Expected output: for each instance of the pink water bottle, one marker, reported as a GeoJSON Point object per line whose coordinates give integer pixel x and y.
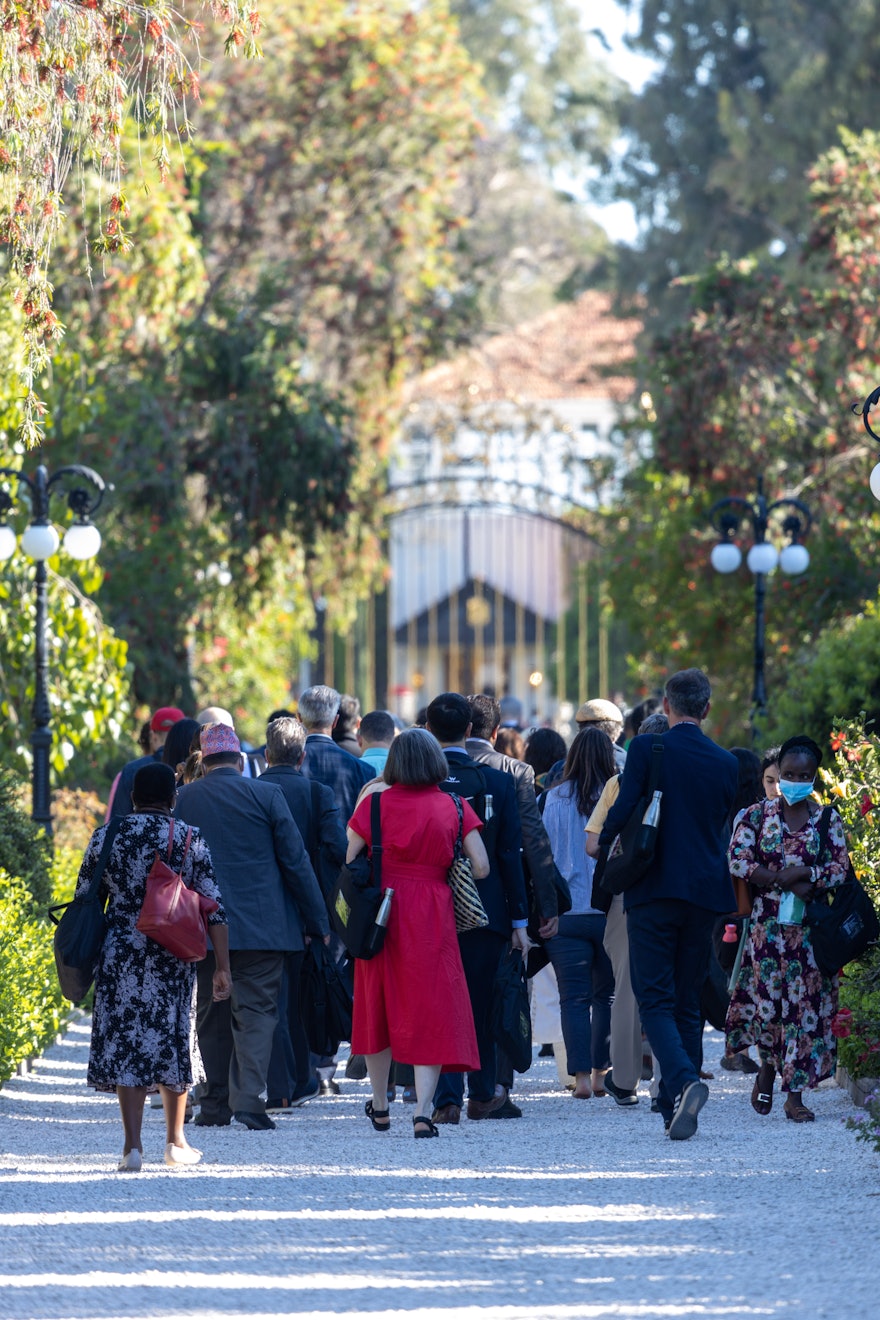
{"type": "Point", "coordinates": [730, 935]}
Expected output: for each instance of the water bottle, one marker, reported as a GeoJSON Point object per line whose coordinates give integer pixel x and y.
{"type": "Point", "coordinates": [791, 908]}
{"type": "Point", "coordinates": [650, 821]}
{"type": "Point", "coordinates": [377, 934]}
{"type": "Point", "coordinates": [489, 809]}
{"type": "Point", "coordinates": [730, 935]}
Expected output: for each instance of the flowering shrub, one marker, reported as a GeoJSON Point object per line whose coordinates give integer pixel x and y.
{"type": "Point", "coordinates": [853, 784]}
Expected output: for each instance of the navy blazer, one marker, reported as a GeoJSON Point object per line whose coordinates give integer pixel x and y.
{"type": "Point", "coordinates": [503, 890]}
{"type": "Point", "coordinates": [343, 773]}
{"type": "Point", "coordinates": [316, 816]}
{"type": "Point", "coordinates": [269, 889]}
{"type": "Point", "coordinates": [698, 781]}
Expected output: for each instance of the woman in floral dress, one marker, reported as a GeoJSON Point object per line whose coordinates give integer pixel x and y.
{"type": "Point", "coordinates": [782, 1003]}
{"type": "Point", "coordinates": [142, 1023]}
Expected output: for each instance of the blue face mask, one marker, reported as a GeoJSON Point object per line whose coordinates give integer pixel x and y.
{"type": "Point", "coordinates": [793, 792]}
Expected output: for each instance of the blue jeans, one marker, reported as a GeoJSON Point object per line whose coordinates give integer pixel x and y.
{"type": "Point", "coordinates": [586, 988]}
{"type": "Point", "coordinates": [669, 945]}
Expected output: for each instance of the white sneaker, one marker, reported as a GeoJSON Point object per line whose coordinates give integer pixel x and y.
{"type": "Point", "coordinates": [177, 1155]}
{"type": "Point", "coordinates": [130, 1163]}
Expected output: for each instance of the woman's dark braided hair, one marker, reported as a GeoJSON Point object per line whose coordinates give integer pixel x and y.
{"type": "Point", "coordinates": [801, 743]}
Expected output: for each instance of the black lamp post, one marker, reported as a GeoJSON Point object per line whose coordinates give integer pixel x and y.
{"type": "Point", "coordinates": [864, 409]}
{"type": "Point", "coordinates": [727, 516]}
{"type": "Point", "coordinates": [40, 541]}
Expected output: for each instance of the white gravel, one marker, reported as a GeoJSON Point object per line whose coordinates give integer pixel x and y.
{"type": "Point", "coordinates": [579, 1209]}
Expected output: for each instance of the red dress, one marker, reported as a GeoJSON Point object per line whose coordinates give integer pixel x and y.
{"type": "Point", "coordinates": [412, 997]}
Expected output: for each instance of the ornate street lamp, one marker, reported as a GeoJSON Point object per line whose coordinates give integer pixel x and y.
{"type": "Point", "coordinates": [727, 516]}
{"type": "Point", "coordinates": [864, 409]}
{"type": "Point", "coordinates": [40, 541]}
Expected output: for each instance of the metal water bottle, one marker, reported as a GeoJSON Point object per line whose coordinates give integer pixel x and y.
{"type": "Point", "coordinates": [490, 811]}
{"type": "Point", "coordinates": [377, 934]}
{"type": "Point", "coordinates": [650, 821]}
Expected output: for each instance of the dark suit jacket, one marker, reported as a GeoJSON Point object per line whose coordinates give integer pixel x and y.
{"type": "Point", "coordinates": [122, 803]}
{"type": "Point", "coordinates": [343, 773]}
{"type": "Point", "coordinates": [698, 781]}
{"type": "Point", "coordinates": [316, 816]}
{"type": "Point", "coordinates": [541, 871]}
{"type": "Point", "coordinates": [503, 890]}
{"type": "Point", "coordinates": [269, 888]}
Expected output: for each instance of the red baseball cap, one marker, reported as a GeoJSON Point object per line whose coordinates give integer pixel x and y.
{"type": "Point", "coordinates": [164, 717]}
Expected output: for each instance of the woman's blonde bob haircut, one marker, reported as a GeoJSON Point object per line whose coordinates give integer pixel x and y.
{"type": "Point", "coordinates": [415, 759]}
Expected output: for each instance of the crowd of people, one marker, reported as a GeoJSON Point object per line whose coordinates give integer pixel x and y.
{"type": "Point", "coordinates": [263, 834]}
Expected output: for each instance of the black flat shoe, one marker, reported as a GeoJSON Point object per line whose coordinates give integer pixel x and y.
{"type": "Point", "coordinates": [374, 1114]}
{"type": "Point", "coordinates": [433, 1130]}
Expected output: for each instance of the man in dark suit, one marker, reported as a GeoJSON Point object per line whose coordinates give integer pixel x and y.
{"type": "Point", "coordinates": [271, 898]}
{"type": "Point", "coordinates": [316, 816]}
{"type": "Point", "coordinates": [161, 721]}
{"type": "Point", "coordinates": [503, 892]}
{"type": "Point", "coordinates": [672, 910]}
{"type": "Point", "coordinates": [542, 875]}
{"type": "Point", "coordinates": [318, 709]}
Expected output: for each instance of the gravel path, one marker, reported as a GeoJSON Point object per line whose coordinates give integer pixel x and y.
{"type": "Point", "coordinates": [579, 1209]}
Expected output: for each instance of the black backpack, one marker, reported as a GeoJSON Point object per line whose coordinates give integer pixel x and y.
{"type": "Point", "coordinates": [466, 778]}
{"type": "Point", "coordinates": [842, 923]}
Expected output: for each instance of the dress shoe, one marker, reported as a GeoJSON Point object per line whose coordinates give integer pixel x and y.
{"type": "Point", "coordinates": [447, 1114]}
{"type": "Point", "coordinates": [307, 1092]}
{"type": "Point", "coordinates": [177, 1156]}
{"type": "Point", "coordinates": [255, 1122]}
{"type": "Point", "coordinates": [483, 1108]}
{"type": "Point", "coordinates": [545, 1052]}
{"type": "Point", "coordinates": [743, 1063]}
{"type": "Point", "coordinates": [211, 1120]}
{"type": "Point", "coordinates": [130, 1163]}
{"type": "Point", "coordinates": [507, 1110]}
{"type": "Point", "coordinates": [329, 1087]}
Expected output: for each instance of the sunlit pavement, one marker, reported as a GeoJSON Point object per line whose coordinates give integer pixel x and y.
{"type": "Point", "coordinates": [579, 1209]}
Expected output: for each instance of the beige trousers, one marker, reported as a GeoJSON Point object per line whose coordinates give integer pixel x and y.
{"type": "Point", "coordinates": [626, 1030]}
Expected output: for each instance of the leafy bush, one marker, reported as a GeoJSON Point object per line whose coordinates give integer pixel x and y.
{"type": "Point", "coordinates": [31, 1007]}
{"type": "Point", "coordinates": [25, 851]}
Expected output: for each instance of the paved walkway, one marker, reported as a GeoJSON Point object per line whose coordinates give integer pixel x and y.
{"type": "Point", "coordinates": [580, 1209]}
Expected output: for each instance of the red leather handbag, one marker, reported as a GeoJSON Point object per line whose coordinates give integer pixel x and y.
{"type": "Point", "coordinates": [172, 915]}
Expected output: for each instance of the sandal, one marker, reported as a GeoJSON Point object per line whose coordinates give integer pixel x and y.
{"type": "Point", "coordinates": [374, 1114]}
{"type": "Point", "coordinates": [799, 1113]}
{"type": "Point", "coordinates": [433, 1130]}
{"type": "Point", "coordinates": [762, 1101]}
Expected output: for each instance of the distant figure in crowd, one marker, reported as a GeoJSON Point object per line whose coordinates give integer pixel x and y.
{"type": "Point", "coordinates": [604, 715]}
{"type": "Point", "coordinates": [672, 910]}
{"type": "Point", "coordinates": [142, 1028]}
{"type": "Point", "coordinates": [347, 724]}
{"type": "Point", "coordinates": [782, 1002]}
{"type": "Point", "coordinates": [343, 773]}
{"type": "Point", "coordinates": [375, 736]}
{"type": "Point", "coordinates": [770, 772]}
{"type": "Point", "coordinates": [272, 900]}
{"type": "Point", "coordinates": [583, 968]}
{"type": "Point", "coordinates": [510, 742]}
{"type": "Point", "coordinates": [161, 722]}
{"type": "Point", "coordinates": [411, 1001]}
{"type": "Point", "coordinates": [545, 753]}
{"type": "Point", "coordinates": [182, 740]}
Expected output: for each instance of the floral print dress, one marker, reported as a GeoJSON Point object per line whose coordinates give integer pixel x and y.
{"type": "Point", "coordinates": [781, 1002]}
{"type": "Point", "coordinates": [143, 1018]}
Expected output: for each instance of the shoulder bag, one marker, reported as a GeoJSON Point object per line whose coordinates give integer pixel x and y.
{"type": "Point", "coordinates": [511, 1021]}
{"type": "Point", "coordinates": [81, 927]}
{"type": "Point", "coordinates": [357, 895]}
{"type": "Point", "coordinates": [842, 922]}
{"type": "Point", "coordinates": [623, 863]}
{"type": "Point", "coordinates": [467, 904]}
{"type": "Point", "coordinates": [173, 915]}
{"type": "Point", "coordinates": [325, 998]}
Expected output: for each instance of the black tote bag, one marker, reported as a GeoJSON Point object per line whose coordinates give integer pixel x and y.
{"type": "Point", "coordinates": [80, 928]}
{"type": "Point", "coordinates": [357, 896]}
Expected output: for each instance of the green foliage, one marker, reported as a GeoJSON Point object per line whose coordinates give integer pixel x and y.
{"type": "Point", "coordinates": [745, 97]}
{"type": "Point", "coordinates": [31, 1007]}
{"type": "Point", "coordinates": [25, 851]}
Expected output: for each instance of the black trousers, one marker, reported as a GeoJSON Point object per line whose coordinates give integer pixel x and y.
{"type": "Point", "coordinates": [289, 1066]}
{"type": "Point", "coordinates": [481, 952]}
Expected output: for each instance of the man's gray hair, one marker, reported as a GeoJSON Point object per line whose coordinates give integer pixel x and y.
{"type": "Point", "coordinates": [285, 741]}
{"type": "Point", "coordinates": [656, 723]}
{"type": "Point", "coordinates": [318, 706]}
{"type": "Point", "coordinates": [688, 693]}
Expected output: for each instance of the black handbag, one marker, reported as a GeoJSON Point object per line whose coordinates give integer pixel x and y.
{"type": "Point", "coordinates": [637, 840]}
{"type": "Point", "coordinates": [357, 895]}
{"type": "Point", "coordinates": [511, 1020]}
{"type": "Point", "coordinates": [843, 923]}
{"type": "Point", "coordinates": [80, 928]}
{"type": "Point", "coordinates": [325, 996]}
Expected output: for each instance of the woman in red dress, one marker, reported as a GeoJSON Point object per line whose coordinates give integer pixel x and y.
{"type": "Point", "coordinates": [411, 1001]}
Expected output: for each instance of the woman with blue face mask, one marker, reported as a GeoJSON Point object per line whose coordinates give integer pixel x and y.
{"type": "Point", "coordinates": [781, 1002]}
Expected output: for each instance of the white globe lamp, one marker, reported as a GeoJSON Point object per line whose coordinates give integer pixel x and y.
{"type": "Point", "coordinates": [794, 559]}
{"type": "Point", "coordinates": [7, 542]}
{"type": "Point", "coordinates": [82, 541]}
{"type": "Point", "coordinates": [762, 558]}
{"type": "Point", "coordinates": [40, 541]}
{"type": "Point", "coordinates": [725, 557]}
{"type": "Point", "coordinates": [875, 482]}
